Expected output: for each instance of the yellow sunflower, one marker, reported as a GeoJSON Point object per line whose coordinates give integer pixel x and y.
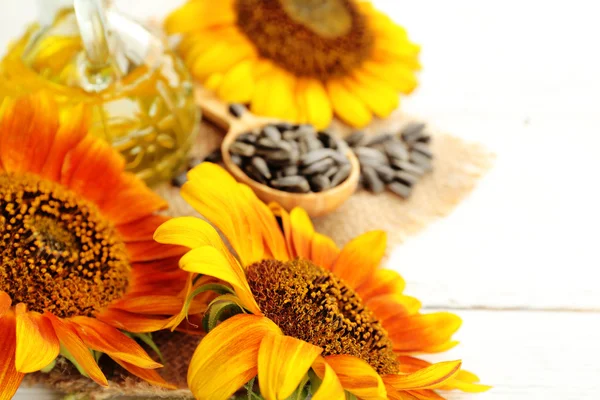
{"type": "Point", "coordinates": [298, 60]}
{"type": "Point", "coordinates": [297, 304]}
{"type": "Point", "coordinates": [79, 264]}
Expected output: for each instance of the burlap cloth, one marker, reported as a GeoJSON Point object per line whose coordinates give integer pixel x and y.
{"type": "Point", "coordinates": [457, 167]}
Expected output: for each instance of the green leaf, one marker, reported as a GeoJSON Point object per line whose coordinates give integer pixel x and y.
{"type": "Point", "coordinates": [218, 308]}
{"type": "Point", "coordinates": [215, 287]}
{"type": "Point", "coordinates": [302, 391]}
{"type": "Point", "coordinates": [147, 338]}
{"type": "Point", "coordinates": [49, 367]}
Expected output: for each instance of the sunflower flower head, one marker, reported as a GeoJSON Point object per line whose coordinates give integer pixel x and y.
{"type": "Point", "coordinates": [295, 312]}
{"type": "Point", "coordinates": [299, 60]}
{"type": "Point", "coordinates": [79, 266]}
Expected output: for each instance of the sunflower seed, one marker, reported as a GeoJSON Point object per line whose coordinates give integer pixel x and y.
{"type": "Point", "coordinates": [385, 173]}
{"type": "Point", "coordinates": [248, 137]}
{"type": "Point", "coordinates": [237, 110]}
{"type": "Point", "coordinates": [331, 171]}
{"type": "Point", "coordinates": [261, 166]}
{"type": "Point", "coordinates": [292, 183]}
{"type": "Point", "coordinates": [179, 180]}
{"type": "Point", "coordinates": [267, 143]}
{"type": "Point", "coordinates": [406, 178]}
{"type": "Point", "coordinates": [370, 153]}
{"type": "Point", "coordinates": [420, 160]}
{"type": "Point", "coordinates": [396, 149]}
{"type": "Point", "coordinates": [318, 167]}
{"type": "Point", "coordinates": [355, 138]}
{"type": "Point", "coordinates": [253, 173]}
{"type": "Point", "coordinates": [372, 181]}
{"type": "Point", "coordinates": [306, 130]}
{"type": "Point", "coordinates": [378, 139]}
{"type": "Point", "coordinates": [408, 167]}
{"type": "Point", "coordinates": [272, 133]}
{"type": "Point", "coordinates": [400, 189]}
{"type": "Point", "coordinates": [312, 143]}
{"type": "Point", "coordinates": [341, 175]}
{"type": "Point", "coordinates": [242, 149]}
{"type": "Point", "coordinates": [290, 170]}
{"type": "Point", "coordinates": [278, 157]}
{"type": "Point", "coordinates": [284, 126]}
{"type": "Point", "coordinates": [214, 156]}
{"type": "Point", "coordinates": [412, 131]}
{"type": "Point", "coordinates": [287, 146]}
{"type": "Point", "coordinates": [422, 148]}
{"type": "Point", "coordinates": [292, 135]}
{"type": "Point", "coordinates": [318, 183]}
{"type": "Point", "coordinates": [316, 155]}
{"type": "Point", "coordinates": [237, 160]}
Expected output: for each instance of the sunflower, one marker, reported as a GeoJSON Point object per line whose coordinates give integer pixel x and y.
{"type": "Point", "coordinates": [298, 60]}
{"type": "Point", "coordinates": [80, 275]}
{"type": "Point", "coordinates": [297, 306]}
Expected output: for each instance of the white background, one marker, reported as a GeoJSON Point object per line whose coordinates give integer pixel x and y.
{"type": "Point", "coordinates": [518, 260]}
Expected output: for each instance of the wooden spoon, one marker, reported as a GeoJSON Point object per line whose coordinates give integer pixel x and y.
{"type": "Point", "coordinates": [315, 204]}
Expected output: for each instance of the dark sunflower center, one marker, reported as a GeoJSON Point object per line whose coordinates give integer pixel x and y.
{"type": "Point", "coordinates": [58, 253]}
{"type": "Point", "coordinates": [315, 38]}
{"type": "Point", "coordinates": [311, 304]}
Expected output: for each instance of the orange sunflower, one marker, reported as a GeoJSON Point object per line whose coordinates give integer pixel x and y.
{"type": "Point", "coordinates": [79, 265]}
{"type": "Point", "coordinates": [297, 308]}
{"type": "Point", "coordinates": [298, 60]}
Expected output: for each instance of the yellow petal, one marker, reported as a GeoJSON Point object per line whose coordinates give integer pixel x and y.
{"type": "Point", "coordinates": [262, 89]}
{"type": "Point", "coordinates": [280, 102]}
{"type": "Point", "coordinates": [398, 75]}
{"type": "Point", "coordinates": [302, 232]}
{"type": "Point", "coordinates": [314, 101]}
{"type": "Point", "coordinates": [348, 105]}
{"type": "Point", "coordinates": [213, 81]}
{"type": "Point", "coordinates": [207, 260]}
{"type": "Point", "coordinates": [360, 258]}
{"type": "Point", "coordinates": [357, 377]}
{"type": "Point", "coordinates": [330, 388]}
{"type": "Point", "coordinates": [391, 306]}
{"type": "Point", "coordinates": [10, 378]}
{"type": "Point", "coordinates": [422, 332]}
{"type": "Point", "coordinates": [282, 363]}
{"type": "Point", "coordinates": [237, 85]}
{"type": "Point", "coordinates": [427, 378]}
{"type": "Point", "coordinates": [324, 251]}
{"type": "Point", "coordinates": [195, 15]}
{"type": "Point", "coordinates": [382, 281]}
{"type": "Point", "coordinates": [189, 232]}
{"type": "Point", "coordinates": [220, 57]}
{"type": "Point", "coordinates": [227, 357]}
{"type": "Point", "coordinates": [380, 99]}
{"type": "Point", "coordinates": [37, 344]}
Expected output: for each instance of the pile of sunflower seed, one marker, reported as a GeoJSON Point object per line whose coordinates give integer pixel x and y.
{"type": "Point", "coordinates": [292, 158]}
{"type": "Point", "coordinates": [393, 161]}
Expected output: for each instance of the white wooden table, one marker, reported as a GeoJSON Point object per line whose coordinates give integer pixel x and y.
{"type": "Point", "coordinates": [518, 260]}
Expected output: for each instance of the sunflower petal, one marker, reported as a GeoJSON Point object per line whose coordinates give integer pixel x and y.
{"type": "Point", "coordinates": [131, 322]}
{"type": "Point", "coordinates": [190, 232]}
{"type": "Point", "coordinates": [348, 105]}
{"type": "Point", "coordinates": [106, 339]}
{"type": "Point", "coordinates": [10, 378]}
{"type": "Point", "coordinates": [302, 232]}
{"type": "Point", "coordinates": [282, 363]}
{"type": "Point", "coordinates": [227, 357]}
{"type": "Point", "coordinates": [393, 306]}
{"type": "Point", "coordinates": [357, 377]}
{"type": "Point", "coordinates": [281, 102]}
{"type": "Point", "coordinates": [207, 260]}
{"type": "Point", "coordinates": [360, 258]}
{"type": "Point", "coordinates": [142, 229]}
{"type": "Point", "coordinates": [330, 388]}
{"type": "Point", "coordinates": [313, 99]}
{"type": "Point", "coordinates": [195, 15]}
{"type": "Point", "coordinates": [37, 344]}
{"type": "Point", "coordinates": [280, 213]}
{"type": "Point", "coordinates": [151, 250]}
{"type": "Point", "coordinates": [149, 375]}
{"type": "Point", "coordinates": [381, 282]}
{"type": "Point", "coordinates": [149, 304]}
{"type": "Point", "coordinates": [80, 352]}
{"type": "Point", "coordinates": [219, 57]}
{"type": "Point", "coordinates": [380, 98]}
{"type": "Point", "coordinates": [238, 83]}
{"type": "Point", "coordinates": [5, 302]}
{"type": "Point", "coordinates": [323, 251]}
{"type": "Point", "coordinates": [431, 377]}
{"type": "Point", "coordinates": [422, 332]}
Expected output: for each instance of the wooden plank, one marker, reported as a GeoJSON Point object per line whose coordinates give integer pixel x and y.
{"type": "Point", "coordinates": [524, 355]}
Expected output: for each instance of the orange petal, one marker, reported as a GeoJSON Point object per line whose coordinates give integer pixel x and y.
{"type": "Point", "coordinates": [282, 363]}
{"type": "Point", "coordinates": [10, 378]}
{"type": "Point", "coordinates": [37, 344]}
{"type": "Point", "coordinates": [80, 352]}
{"type": "Point", "coordinates": [157, 305]}
{"type": "Point", "coordinates": [323, 251]}
{"type": "Point", "coordinates": [302, 232]}
{"type": "Point", "coordinates": [393, 306]}
{"type": "Point", "coordinates": [383, 281]}
{"type": "Point", "coordinates": [284, 217]}
{"type": "Point", "coordinates": [142, 229]}
{"type": "Point", "coordinates": [131, 322]}
{"type": "Point", "coordinates": [151, 250]}
{"type": "Point", "coordinates": [330, 388]}
{"type": "Point", "coordinates": [5, 302]}
{"type": "Point", "coordinates": [357, 377]}
{"type": "Point", "coordinates": [427, 378]}
{"type": "Point", "coordinates": [106, 339]}
{"type": "Point", "coordinates": [360, 258]}
{"type": "Point", "coordinates": [394, 394]}
{"type": "Point", "coordinates": [149, 375]}
{"type": "Point", "coordinates": [227, 357]}
{"type": "Point", "coordinates": [419, 332]}
{"type": "Point", "coordinates": [27, 130]}
{"type": "Point", "coordinates": [93, 169]}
